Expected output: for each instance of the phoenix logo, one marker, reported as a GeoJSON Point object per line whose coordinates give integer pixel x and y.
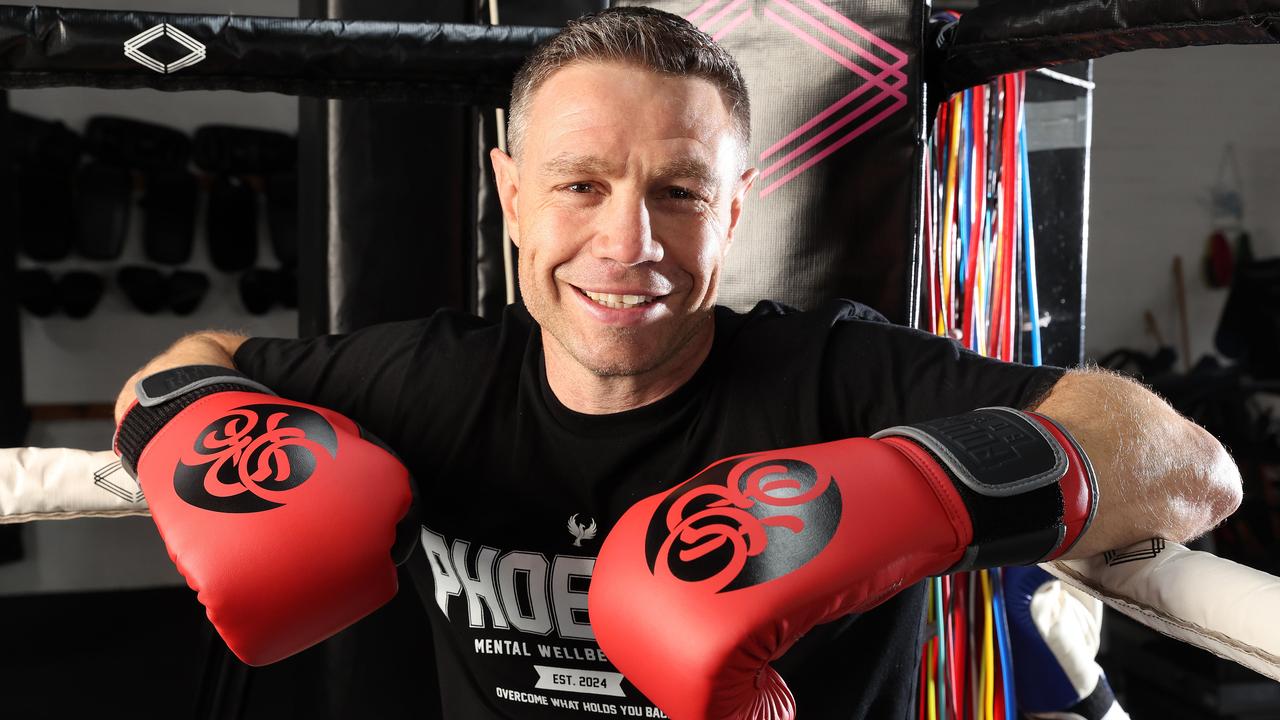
{"type": "Point", "coordinates": [250, 459]}
{"type": "Point", "coordinates": [743, 522]}
{"type": "Point", "coordinates": [581, 532]}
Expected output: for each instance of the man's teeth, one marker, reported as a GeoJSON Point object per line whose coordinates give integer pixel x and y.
{"type": "Point", "coordinates": [618, 302]}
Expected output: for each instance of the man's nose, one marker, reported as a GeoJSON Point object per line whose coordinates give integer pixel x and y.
{"type": "Point", "coordinates": [626, 235]}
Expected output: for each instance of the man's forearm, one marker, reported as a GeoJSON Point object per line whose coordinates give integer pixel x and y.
{"type": "Point", "coordinates": [1159, 474]}
{"type": "Point", "coordinates": [204, 348]}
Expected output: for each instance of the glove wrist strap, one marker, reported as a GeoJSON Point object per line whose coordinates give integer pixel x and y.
{"type": "Point", "coordinates": [161, 396]}
{"type": "Point", "coordinates": [1010, 468]}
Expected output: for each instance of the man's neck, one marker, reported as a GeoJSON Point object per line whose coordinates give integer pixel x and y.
{"type": "Point", "coordinates": [583, 391]}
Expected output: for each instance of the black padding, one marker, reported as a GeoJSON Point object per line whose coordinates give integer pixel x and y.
{"type": "Point", "coordinates": [282, 217]}
{"type": "Point", "coordinates": [103, 197]}
{"type": "Point", "coordinates": [137, 144]}
{"type": "Point", "coordinates": [169, 216]}
{"type": "Point", "coordinates": [996, 38]}
{"type": "Point", "coordinates": [457, 64]}
{"type": "Point", "coordinates": [45, 154]}
{"type": "Point", "coordinates": [146, 288]}
{"type": "Point", "coordinates": [46, 224]}
{"type": "Point", "coordinates": [187, 290]}
{"type": "Point", "coordinates": [228, 150]}
{"type": "Point", "coordinates": [232, 224]}
{"type": "Point", "coordinates": [44, 143]}
{"type": "Point", "coordinates": [79, 292]}
{"type": "Point", "coordinates": [37, 292]}
{"type": "Point", "coordinates": [258, 290]}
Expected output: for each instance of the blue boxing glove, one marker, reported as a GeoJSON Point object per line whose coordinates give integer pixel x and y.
{"type": "Point", "coordinates": [1054, 634]}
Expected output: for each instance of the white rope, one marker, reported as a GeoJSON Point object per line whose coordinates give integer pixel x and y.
{"type": "Point", "coordinates": [61, 484]}
{"type": "Point", "coordinates": [1192, 596]}
{"type": "Point", "coordinates": [1063, 77]}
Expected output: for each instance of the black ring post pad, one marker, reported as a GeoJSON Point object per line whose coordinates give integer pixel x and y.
{"type": "Point", "coordinates": [1006, 468]}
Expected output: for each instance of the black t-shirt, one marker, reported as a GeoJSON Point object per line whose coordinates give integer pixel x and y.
{"type": "Point", "coordinates": [517, 491]}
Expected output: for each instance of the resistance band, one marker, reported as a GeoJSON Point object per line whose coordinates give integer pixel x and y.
{"type": "Point", "coordinates": [979, 279]}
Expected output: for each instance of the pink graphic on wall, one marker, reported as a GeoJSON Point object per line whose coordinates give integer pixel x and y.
{"type": "Point", "coordinates": [880, 69]}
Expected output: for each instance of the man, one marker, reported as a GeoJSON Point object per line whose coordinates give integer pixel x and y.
{"type": "Point", "coordinates": [620, 378]}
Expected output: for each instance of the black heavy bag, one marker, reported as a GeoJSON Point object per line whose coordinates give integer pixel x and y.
{"type": "Point", "coordinates": [104, 194]}
{"type": "Point", "coordinates": [836, 122]}
{"type": "Point", "coordinates": [169, 215]}
{"type": "Point", "coordinates": [232, 224]}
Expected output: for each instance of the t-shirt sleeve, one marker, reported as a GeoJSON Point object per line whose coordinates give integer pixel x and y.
{"type": "Point", "coordinates": [881, 375]}
{"type": "Point", "coordinates": [361, 375]}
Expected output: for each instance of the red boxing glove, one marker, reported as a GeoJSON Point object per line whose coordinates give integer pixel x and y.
{"type": "Point", "coordinates": [280, 515]}
{"type": "Point", "coordinates": [697, 589]}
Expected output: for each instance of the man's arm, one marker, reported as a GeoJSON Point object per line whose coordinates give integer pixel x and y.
{"type": "Point", "coordinates": [1159, 474]}
{"type": "Point", "coordinates": [203, 348]}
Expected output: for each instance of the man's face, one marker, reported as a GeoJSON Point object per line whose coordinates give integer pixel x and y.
{"type": "Point", "coordinates": [623, 204]}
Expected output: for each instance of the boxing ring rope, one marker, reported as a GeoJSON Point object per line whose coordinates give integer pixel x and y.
{"type": "Point", "coordinates": [1198, 598]}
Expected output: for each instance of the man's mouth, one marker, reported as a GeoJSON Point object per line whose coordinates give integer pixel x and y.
{"type": "Point", "coordinates": [617, 301]}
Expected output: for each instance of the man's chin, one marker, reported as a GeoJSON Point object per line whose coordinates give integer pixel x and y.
{"type": "Point", "coordinates": [625, 352]}
{"type": "Point", "coordinates": [619, 365]}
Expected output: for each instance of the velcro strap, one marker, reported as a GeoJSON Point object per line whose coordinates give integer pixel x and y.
{"type": "Point", "coordinates": [168, 384]}
{"type": "Point", "coordinates": [995, 451]}
{"type": "Point", "coordinates": [1007, 469]}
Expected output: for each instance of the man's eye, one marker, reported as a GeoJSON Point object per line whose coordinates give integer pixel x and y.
{"type": "Point", "coordinates": [679, 193]}
{"type": "Point", "coordinates": [580, 188]}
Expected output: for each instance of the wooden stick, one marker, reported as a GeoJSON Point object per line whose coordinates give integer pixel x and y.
{"type": "Point", "coordinates": [1153, 328]}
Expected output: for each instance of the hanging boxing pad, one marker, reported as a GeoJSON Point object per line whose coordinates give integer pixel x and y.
{"type": "Point", "coordinates": [36, 291]}
{"type": "Point", "coordinates": [49, 143]}
{"type": "Point", "coordinates": [103, 196]}
{"type": "Point", "coordinates": [79, 292]}
{"type": "Point", "coordinates": [46, 222]}
{"type": "Point", "coordinates": [45, 155]}
{"type": "Point", "coordinates": [258, 290]}
{"type": "Point", "coordinates": [169, 216]}
{"type": "Point", "coordinates": [146, 288]}
{"type": "Point", "coordinates": [232, 224]}
{"type": "Point", "coordinates": [137, 144]}
{"type": "Point", "coordinates": [187, 289]}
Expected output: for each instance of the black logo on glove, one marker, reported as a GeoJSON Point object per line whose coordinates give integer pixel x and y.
{"type": "Point", "coordinates": [249, 459]}
{"type": "Point", "coordinates": [743, 522]}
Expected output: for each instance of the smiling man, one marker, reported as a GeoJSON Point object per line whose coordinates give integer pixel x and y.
{"type": "Point", "coordinates": [532, 439]}
{"type": "Point", "coordinates": [623, 201]}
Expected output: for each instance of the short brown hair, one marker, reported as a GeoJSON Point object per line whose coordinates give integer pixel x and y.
{"type": "Point", "coordinates": [650, 39]}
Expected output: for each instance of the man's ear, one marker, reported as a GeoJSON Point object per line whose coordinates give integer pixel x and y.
{"type": "Point", "coordinates": [507, 176]}
{"type": "Point", "coordinates": [747, 179]}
